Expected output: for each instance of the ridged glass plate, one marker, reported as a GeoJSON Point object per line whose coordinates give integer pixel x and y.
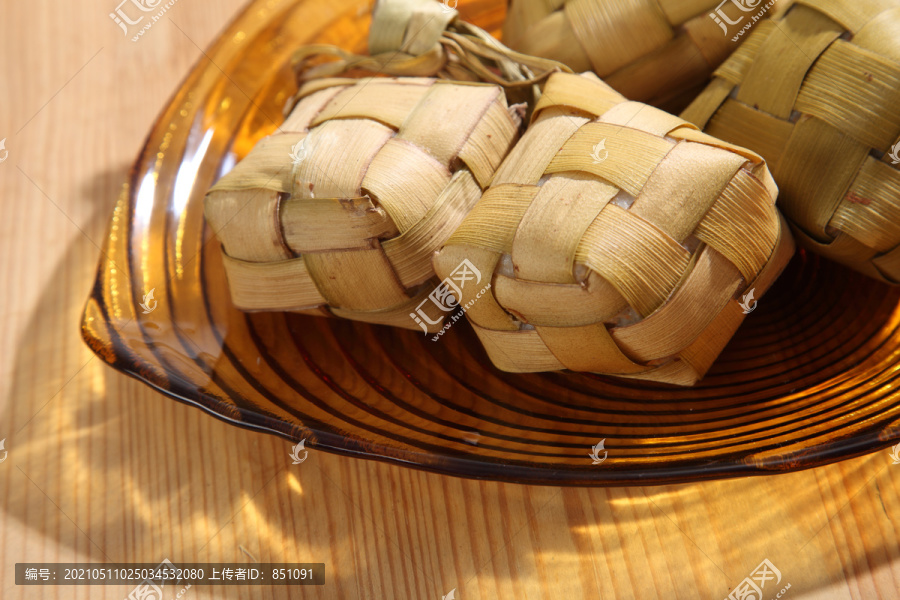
{"type": "Point", "coordinates": [810, 378]}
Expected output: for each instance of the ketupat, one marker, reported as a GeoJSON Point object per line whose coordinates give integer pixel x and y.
{"type": "Point", "coordinates": [817, 93]}
{"type": "Point", "coordinates": [340, 211]}
{"type": "Point", "coordinates": [648, 50]}
{"type": "Point", "coordinates": [619, 240]}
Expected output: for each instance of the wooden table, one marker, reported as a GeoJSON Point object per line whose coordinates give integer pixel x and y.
{"type": "Point", "coordinates": [101, 468]}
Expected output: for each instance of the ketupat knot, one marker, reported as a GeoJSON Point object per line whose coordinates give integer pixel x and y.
{"type": "Point", "coordinates": [828, 129]}
{"type": "Point", "coordinates": [631, 265]}
{"type": "Point", "coordinates": [422, 38]}
{"type": "Point", "coordinates": [341, 210]}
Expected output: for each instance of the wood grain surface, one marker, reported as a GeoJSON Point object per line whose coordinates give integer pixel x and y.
{"type": "Point", "coordinates": [103, 469]}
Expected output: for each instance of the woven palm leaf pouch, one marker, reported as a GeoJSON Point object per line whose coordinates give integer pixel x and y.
{"type": "Point", "coordinates": [339, 212]}
{"type": "Point", "coordinates": [648, 50]}
{"type": "Point", "coordinates": [617, 239]}
{"type": "Point", "coordinates": [817, 93]}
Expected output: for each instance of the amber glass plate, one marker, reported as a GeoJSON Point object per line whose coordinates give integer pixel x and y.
{"type": "Point", "coordinates": [810, 378]}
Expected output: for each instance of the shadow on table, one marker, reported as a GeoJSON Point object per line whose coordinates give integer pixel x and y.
{"type": "Point", "coordinates": [816, 527]}
{"type": "Point", "coordinates": [104, 469]}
